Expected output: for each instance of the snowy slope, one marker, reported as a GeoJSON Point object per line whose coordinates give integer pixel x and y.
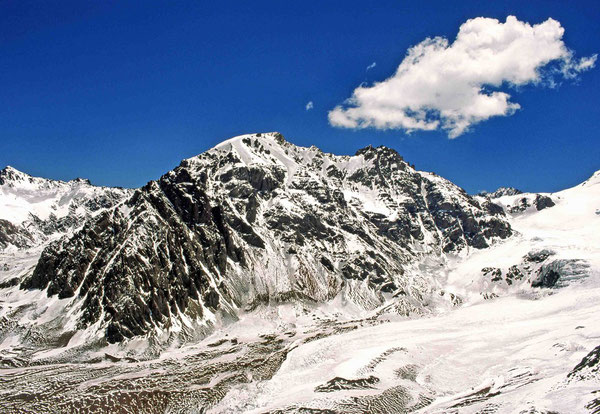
{"type": "Point", "coordinates": [510, 355]}
{"type": "Point", "coordinates": [568, 232]}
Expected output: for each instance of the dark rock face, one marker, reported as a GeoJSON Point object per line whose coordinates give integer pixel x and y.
{"type": "Point", "coordinates": [493, 208]}
{"type": "Point", "coordinates": [259, 220]}
{"type": "Point", "coordinates": [541, 202]}
{"type": "Point", "coordinates": [547, 277]}
{"type": "Point", "coordinates": [459, 226]}
{"type": "Point", "coordinates": [166, 248]}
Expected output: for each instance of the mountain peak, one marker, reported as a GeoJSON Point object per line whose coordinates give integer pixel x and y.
{"type": "Point", "coordinates": [502, 191]}
{"type": "Point", "coordinates": [369, 151]}
{"type": "Point", "coordinates": [248, 138]}
{"type": "Point", "coordinates": [10, 170]}
{"type": "Point", "coordinates": [11, 174]}
{"type": "Point", "coordinates": [80, 180]}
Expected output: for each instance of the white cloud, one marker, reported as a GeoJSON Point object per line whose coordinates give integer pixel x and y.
{"type": "Point", "coordinates": [309, 105]}
{"type": "Point", "coordinates": [447, 86]}
{"type": "Point", "coordinates": [371, 66]}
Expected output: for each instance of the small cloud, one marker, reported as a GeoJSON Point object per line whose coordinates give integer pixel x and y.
{"type": "Point", "coordinates": [371, 66]}
{"type": "Point", "coordinates": [571, 67]}
{"type": "Point", "coordinates": [309, 105]}
{"type": "Point", "coordinates": [453, 85]}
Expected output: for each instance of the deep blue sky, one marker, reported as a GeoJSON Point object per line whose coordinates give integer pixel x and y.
{"type": "Point", "coordinates": [120, 92]}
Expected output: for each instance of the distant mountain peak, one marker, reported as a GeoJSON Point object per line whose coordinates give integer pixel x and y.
{"type": "Point", "coordinates": [501, 192]}
{"type": "Point", "coordinates": [11, 173]}
{"type": "Point", "coordinates": [379, 149]}
{"type": "Point", "coordinates": [80, 180]}
{"type": "Point", "coordinates": [8, 169]}
{"type": "Point", "coordinates": [13, 177]}
{"type": "Point", "coordinates": [39, 209]}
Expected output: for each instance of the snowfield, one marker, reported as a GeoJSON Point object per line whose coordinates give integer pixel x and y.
{"type": "Point", "coordinates": [508, 355]}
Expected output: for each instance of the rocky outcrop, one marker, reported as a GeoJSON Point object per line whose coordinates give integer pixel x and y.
{"type": "Point", "coordinates": [541, 202]}
{"type": "Point", "coordinates": [565, 270]}
{"type": "Point", "coordinates": [525, 202]}
{"type": "Point", "coordinates": [537, 270]}
{"type": "Point", "coordinates": [339, 383]}
{"type": "Point", "coordinates": [13, 235]}
{"type": "Point", "coordinates": [588, 367]}
{"type": "Point", "coordinates": [538, 256]}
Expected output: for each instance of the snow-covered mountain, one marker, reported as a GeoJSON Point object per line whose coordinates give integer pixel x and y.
{"type": "Point", "coordinates": [257, 220]}
{"type": "Point", "coordinates": [35, 210]}
{"type": "Point", "coordinates": [356, 283]}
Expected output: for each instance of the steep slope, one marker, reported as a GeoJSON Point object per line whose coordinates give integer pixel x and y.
{"type": "Point", "coordinates": [34, 212]}
{"type": "Point", "coordinates": [258, 220]}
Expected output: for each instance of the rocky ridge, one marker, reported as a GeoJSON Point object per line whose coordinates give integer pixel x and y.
{"type": "Point", "coordinates": [501, 192]}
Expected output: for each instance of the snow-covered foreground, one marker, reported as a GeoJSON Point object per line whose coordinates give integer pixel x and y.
{"type": "Point", "coordinates": [507, 355]}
